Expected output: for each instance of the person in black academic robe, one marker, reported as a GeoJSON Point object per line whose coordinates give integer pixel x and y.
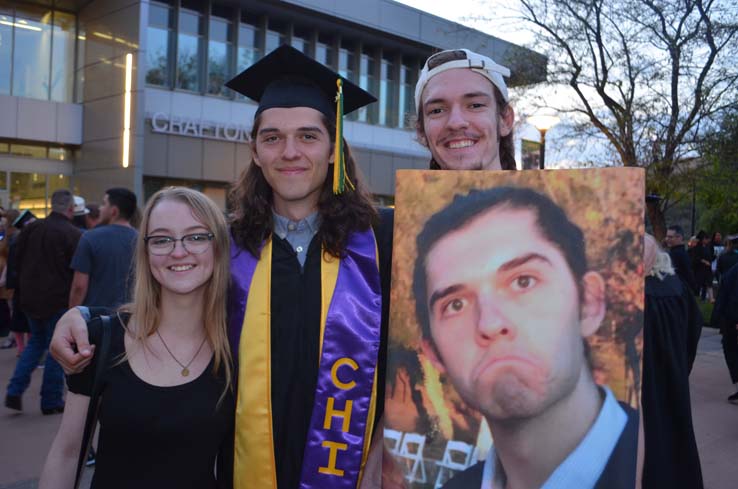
{"type": "Point", "coordinates": [725, 317]}
{"type": "Point", "coordinates": [296, 340]}
{"type": "Point", "coordinates": [671, 331]}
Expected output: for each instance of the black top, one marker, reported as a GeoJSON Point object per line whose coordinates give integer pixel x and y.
{"type": "Point", "coordinates": [683, 265]}
{"type": "Point", "coordinates": [295, 340]}
{"type": "Point", "coordinates": [619, 473]}
{"type": "Point", "coordinates": [725, 312]}
{"type": "Point", "coordinates": [45, 250]}
{"type": "Point", "coordinates": [702, 271]}
{"type": "Point", "coordinates": [725, 262]}
{"type": "Point", "coordinates": [671, 330]}
{"type": "Point", "coordinates": [158, 437]}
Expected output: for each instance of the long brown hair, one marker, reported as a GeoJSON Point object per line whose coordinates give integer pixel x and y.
{"type": "Point", "coordinates": [507, 144]}
{"type": "Point", "coordinates": [146, 305]}
{"type": "Point", "coordinates": [251, 201]}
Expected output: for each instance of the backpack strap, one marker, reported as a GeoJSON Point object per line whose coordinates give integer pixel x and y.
{"type": "Point", "coordinates": [102, 352]}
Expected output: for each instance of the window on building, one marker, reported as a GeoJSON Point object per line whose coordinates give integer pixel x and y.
{"type": "Point", "coordinates": [189, 48]}
{"type": "Point", "coordinates": [215, 190]}
{"type": "Point", "coordinates": [28, 191]}
{"type": "Point", "coordinates": [32, 52]}
{"type": "Point", "coordinates": [220, 47]}
{"type": "Point", "coordinates": [62, 57]}
{"type": "Point", "coordinates": [388, 92]}
{"type": "Point", "coordinates": [250, 44]}
{"type": "Point", "coordinates": [324, 51]}
{"type": "Point", "coordinates": [347, 60]}
{"type": "Point", "coordinates": [301, 40]}
{"type": "Point", "coordinates": [276, 35]}
{"type": "Point", "coordinates": [347, 66]}
{"type": "Point", "coordinates": [31, 151]}
{"type": "Point", "coordinates": [406, 106]}
{"type": "Point", "coordinates": [159, 41]}
{"type": "Point", "coordinates": [367, 81]}
{"type": "Point", "coordinates": [37, 52]}
{"type": "Point", "coordinates": [6, 48]}
{"type": "Point", "coordinates": [60, 153]}
{"type": "Point", "coordinates": [40, 151]}
{"type": "Point", "coordinates": [384, 200]}
{"type": "Point", "coordinates": [79, 70]}
{"type": "Point", "coordinates": [56, 182]}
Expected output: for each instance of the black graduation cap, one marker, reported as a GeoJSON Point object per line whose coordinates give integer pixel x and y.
{"type": "Point", "coordinates": [24, 218]}
{"type": "Point", "coordinates": [288, 78]}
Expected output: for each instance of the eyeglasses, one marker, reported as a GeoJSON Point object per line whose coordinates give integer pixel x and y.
{"type": "Point", "coordinates": [193, 243]}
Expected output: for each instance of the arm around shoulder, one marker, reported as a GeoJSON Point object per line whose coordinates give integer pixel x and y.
{"type": "Point", "coordinates": [70, 345]}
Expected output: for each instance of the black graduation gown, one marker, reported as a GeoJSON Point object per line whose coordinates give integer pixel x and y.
{"type": "Point", "coordinates": [683, 266]}
{"type": "Point", "coordinates": [295, 325]}
{"type": "Point", "coordinates": [725, 317]}
{"type": "Point", "coordinates": [672, 325]}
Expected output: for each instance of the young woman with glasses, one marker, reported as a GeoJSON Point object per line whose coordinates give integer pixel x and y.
{"type": "Point", "coordinates": [167, 409]}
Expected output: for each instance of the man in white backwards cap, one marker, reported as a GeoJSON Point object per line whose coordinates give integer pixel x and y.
{"type": "Point", "coordinates": [464, 114]}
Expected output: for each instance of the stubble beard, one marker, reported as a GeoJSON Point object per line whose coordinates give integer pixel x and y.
{"type": "Point", "coordinates": [513, 398]}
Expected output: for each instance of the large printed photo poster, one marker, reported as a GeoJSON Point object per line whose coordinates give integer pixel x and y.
{"type": "Point", "coordinates": [515, 329]}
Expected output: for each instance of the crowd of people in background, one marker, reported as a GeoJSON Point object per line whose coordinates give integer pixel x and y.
{"type": "Point", "coordinates": [707, 264]}
{"type": "Point", "coordinates": [79, 253]}
{"type": "Point", "coordinates": [702, 260]}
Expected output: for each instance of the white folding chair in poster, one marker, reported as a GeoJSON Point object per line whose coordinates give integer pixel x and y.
{"type": "Point", "coordinates": [393, 439]}
{"type": "Point", "coordinates": [411, 450]}
{"type": "Point", "coordinates": [456, 457]}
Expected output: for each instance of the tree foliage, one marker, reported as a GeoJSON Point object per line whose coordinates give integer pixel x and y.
{"type": "Point", "coordinates": [716, 186]}
{"type": "Point", "coordinates": [649, 75]}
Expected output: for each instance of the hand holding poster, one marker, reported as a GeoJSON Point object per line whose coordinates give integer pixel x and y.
{"type": "Point", "coordinates": [516, 313]}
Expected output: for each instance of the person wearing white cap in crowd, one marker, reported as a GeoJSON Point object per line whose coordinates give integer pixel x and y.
{"type": "Point", "coordinates": [464, 114]}
{"type": "Point", "coordinates": [80, 211]}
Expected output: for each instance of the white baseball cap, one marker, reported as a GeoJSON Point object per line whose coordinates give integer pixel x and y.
{"type": "Point", "coordinates": [80, 208]}
{"type": "Point", "coordinates": [462, 58]}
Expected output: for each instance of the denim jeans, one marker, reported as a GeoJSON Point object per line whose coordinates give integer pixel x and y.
{"type": "Point", "coordinates": [52, 387]}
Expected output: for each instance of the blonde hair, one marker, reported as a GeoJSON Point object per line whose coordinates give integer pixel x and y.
{"type": "Point", "coordinates": [146, 304]}
{"type": "Point", "coordinates": [657, 261]}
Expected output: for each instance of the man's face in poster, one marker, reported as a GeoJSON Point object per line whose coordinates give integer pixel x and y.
{"type": "Point", "coordinates": [507, 315]}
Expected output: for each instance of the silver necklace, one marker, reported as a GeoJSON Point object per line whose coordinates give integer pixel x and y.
{"type": "Point", "coordinates": [185, 368]}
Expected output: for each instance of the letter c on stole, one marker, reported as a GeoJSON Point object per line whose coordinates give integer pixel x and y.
{"type": "Point", "coordinates": [334, 373]}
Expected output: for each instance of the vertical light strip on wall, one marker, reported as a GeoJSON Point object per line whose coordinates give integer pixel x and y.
{"type": "Point", "coordinates": [127, 110]}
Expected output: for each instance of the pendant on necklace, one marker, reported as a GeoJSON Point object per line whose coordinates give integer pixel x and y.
{"type": "Point", "coordinates": [185, 372]}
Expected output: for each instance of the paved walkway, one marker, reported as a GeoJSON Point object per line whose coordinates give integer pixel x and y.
{"type": "Point", "coordinates": [25, 438]}
{"type": "Point", "coordinates": [715, 420]}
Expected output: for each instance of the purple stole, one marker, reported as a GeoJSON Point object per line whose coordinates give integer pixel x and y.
{"type": "Point", "coordinates": [341, 422]}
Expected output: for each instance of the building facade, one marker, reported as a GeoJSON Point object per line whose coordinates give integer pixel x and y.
{"type": "Point", "coordinates": [102, 93]}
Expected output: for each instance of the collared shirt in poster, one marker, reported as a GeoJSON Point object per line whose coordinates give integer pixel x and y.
{"type": "Point", "coordinates": [584, 466]}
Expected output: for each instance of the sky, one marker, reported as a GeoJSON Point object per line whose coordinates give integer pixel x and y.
{"type": "Point", "coordinates": [498, 18]}
{"type": "Point", "coordinates": [494, 17]}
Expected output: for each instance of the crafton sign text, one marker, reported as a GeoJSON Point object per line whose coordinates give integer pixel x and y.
{"type": "Point", "coordinates": [185, 126]}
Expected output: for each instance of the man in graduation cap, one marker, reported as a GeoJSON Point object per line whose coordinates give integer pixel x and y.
{"type": "Point", "coordinates": [310, 263]}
